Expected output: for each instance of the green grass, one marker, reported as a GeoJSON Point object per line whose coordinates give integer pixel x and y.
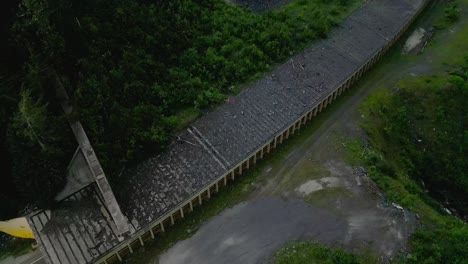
{"type": "Point", "coordinates": [399, 188]}
{"type": "Point", "coordinates": [314, 253]}
{"type": "Point", "coordinates": [306, 9]}
{"type": "Point", "coordinates": [448, 52]}
{"type": "Point", "coordinates": [185, 117]}
{"type": "Point", "coordinates": [16, 247]}
{"type": "Point", "coordinates": [451, 15]}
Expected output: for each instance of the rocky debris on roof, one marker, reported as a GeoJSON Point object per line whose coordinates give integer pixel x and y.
{"type": "Point", "coordinates": [78, 231]}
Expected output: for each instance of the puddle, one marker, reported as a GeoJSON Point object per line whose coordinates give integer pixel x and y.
{"type": "Point", "coordinates": [252, 231]}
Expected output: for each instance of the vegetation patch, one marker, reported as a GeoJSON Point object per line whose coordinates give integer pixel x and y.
{"type": "Point", "coordinates": [416, 154]}
{"type": "Point", "coordinates": [15, 247]}
{"type": "Point", "coordinates": [451, 15]}
{"type": "Point", "coordinates": [311, 253]}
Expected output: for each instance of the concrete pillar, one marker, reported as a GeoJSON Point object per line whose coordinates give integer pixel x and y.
{"type": "Point", "coordinates": [118, 256]}
{"type": "Point", "coordinates": [141, 241]}
{"type": "Point", "coordinates": [233, 175]}
{"type": "Point", "coordinates": [299, 124]}
{"type": "Point", "coordinates": [287, 133]}
{"type": "Point", "coordinates": [130, 248]}
{"type": "Point", "coordinates": [191, 205]}
{"type": "Point", "coordinates": [172, 220]}
{"type": "Point", "coordinates": [200, 200]}
{"type": "Point", "coordinates": [152, 233]}
{"type": "Point", "coordinates": [162, 227]}
{"type": "Point", "coordinates": [182, 212]}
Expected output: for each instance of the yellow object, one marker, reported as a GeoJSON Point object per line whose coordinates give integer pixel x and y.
{"type": "Point", "coordinates": [18, 227]}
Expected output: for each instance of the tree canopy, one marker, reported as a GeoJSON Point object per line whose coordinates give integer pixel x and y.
{"type": "Point", "coordinates": [130, 68]}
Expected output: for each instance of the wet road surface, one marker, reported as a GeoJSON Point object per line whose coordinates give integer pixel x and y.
{"type": "Point", "coordinates": [251, 231]}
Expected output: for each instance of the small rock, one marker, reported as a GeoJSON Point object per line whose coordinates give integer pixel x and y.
{"type": "Point", "coordinates": [397, 206]}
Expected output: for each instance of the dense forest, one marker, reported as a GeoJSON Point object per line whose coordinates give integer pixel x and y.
{"type": "Point", "coordinates": [136, 72]}
{"type": "Point", "coordinates": [418, 139]}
